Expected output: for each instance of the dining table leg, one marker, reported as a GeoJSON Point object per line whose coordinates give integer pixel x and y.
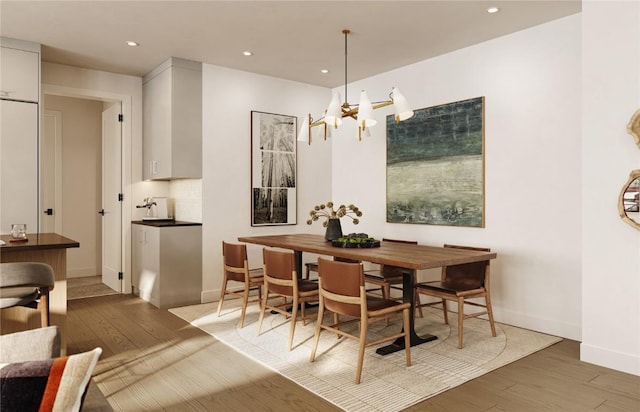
{"type": "Point", "coordinates": [298, 260]}
{"type": "Point", "coordinates": [408, 295]}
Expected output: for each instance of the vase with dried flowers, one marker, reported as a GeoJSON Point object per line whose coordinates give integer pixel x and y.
{"type": "Point", "coordinates": [332, 217]}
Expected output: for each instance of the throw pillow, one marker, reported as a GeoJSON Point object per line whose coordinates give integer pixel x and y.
{"type": "Point", "coordinates": [55, 384]}
{"type": "Point", "coordinates": [29, 345]}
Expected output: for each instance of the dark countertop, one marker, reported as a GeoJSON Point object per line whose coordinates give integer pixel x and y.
{"type": "Point", "coordinates": [164, 223]}
{"type": "Point", "coordinates": [38, 241]}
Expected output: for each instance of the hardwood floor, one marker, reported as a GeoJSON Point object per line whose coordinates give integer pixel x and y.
{"type": "Point", "coordinates": [84, 287]}
{"type": "Point", "coordinates": [155, 361]}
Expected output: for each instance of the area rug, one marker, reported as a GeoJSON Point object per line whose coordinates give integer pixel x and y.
{"type": "Point", "coordinates": [388, 385]}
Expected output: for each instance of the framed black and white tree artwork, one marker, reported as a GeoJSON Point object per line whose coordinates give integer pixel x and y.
{"type": "Point", "coordinates": [273, 169]}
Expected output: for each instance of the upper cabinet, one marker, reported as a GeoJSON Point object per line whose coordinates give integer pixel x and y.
{"type": "Point", "coordinates": [19, 95]}
{"type": "Point", "coordinates": [19, 70]}
{"type": "Point", "coordinates": [172, 121]}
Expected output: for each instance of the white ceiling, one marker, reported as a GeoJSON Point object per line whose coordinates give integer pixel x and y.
{"type": "Point", "coordinates": [290, 39]}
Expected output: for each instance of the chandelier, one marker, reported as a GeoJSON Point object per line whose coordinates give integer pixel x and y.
{"type": "Point", "coordinates": [362, 112]}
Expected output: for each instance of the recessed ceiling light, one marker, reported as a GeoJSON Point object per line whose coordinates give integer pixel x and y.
{"type": "Point", "coordinates": [132, 43]}
{"type": "Point", "coordinates": [324, 71]}
{"type": "Point", "coordinates": [492, 10]}
{"type": "Point", "coordinates": [247, 53]}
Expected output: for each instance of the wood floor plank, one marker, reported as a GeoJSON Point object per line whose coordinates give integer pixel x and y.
{"type": "Point", "coordinates": [153, 360]}
{"type": "Point", "coordinates": [156, 361]}
{"type": "Point", "coordinates": [618, 405]}
{"type": "Point", "coordinates": [616, 382]}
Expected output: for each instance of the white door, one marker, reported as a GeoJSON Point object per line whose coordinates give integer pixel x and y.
{"type": "Point", "coordinates": [51, 172]}
{"type": "Point", "coordinates": [111, 202]}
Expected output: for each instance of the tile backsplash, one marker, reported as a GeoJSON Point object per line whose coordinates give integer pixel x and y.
{"type": "Point", "coordinates": [187, 197]}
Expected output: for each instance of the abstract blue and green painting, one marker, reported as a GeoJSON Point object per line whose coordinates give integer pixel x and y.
{"type": "Point", "coordinates": [435, 166]}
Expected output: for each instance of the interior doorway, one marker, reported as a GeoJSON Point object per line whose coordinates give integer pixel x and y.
{"type": "Point", "coordinates": [81, 178]}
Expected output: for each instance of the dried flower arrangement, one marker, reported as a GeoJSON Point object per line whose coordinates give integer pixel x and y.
{"type": "Point", "coordinates": [327, 212]}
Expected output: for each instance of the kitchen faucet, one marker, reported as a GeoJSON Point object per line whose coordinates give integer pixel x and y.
{"type": "Point", "coordinates": [148, 203]}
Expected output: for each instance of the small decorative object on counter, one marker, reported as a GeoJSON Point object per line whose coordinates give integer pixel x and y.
{"type": "Point", "coordinates": [355, 240]}
{"type": "Point", "coordinates": [332, 218]}
{"type": "Point", "coordinates": [18, 232]}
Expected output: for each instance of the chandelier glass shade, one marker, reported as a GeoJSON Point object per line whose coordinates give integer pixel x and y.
{"type": "Point", "coordinates": [362, 112]}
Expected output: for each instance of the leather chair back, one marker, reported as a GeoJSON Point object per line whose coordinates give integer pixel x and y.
{"type": "Point", "coordinates": [344, 279]}
{"type": "Point", "coordinates": [235, 256]}
{"type": "Point", "coordinates": [279, 265]}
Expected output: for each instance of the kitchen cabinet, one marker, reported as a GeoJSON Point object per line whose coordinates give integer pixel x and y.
{"type": "Point", "coordinates": [19, 160]}
{"type": "Point", "coordinates": [167, 263]}
{"type": "Point", "coordinates": [19, 136]}
{"type": "Point", "coordinates": [19, 70]}
{"type": "Point", "coordinates": [172, 121]}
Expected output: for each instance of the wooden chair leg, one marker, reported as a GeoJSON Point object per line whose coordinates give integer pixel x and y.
{"type": "Point", "coordinates": [416, 297]}
{"type": "Point", "coordinates": [417, 303]}
{"type": "Point", "coordinates": [386, 291]}
{"type": "Point", "coordinates": [302, 315]}
{"type": "Point", "coordinates": [43, 307]}
{"type": "Point", "coordinates": [460, 320]}
{"type": "Point", "coordinates": [445, 311]}
{"type": "Point", "coordinates": [490, 314]}
{"type": "Point", "coordinates": [263, 308]}
{"type": "Point", "coordinates": [317, 334]}
{"type": "Point", "coordinates": [294, 318]}
{"type": "Point", "coordinates": [223, 291]}
{"type": "Point", "coordinates": [245, 300]}
{"type": "Point", "coordinates": [386, 294]}
{"type": "Point", "coordinates": [407, 338]}
{"type": "Point", "coordinates": [361, 346]}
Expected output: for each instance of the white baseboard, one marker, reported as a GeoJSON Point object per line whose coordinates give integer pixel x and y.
{"type": "Point", "coordinates": [624, 362]}
{"type": "Point", "coordinates": [207, 296]}
{"type": "Point", "coordinates": [549, 326]}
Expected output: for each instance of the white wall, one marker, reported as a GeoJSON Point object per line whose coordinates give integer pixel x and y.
{"type": "Point", "coordinates": [186, 195]}
{"type": "Point", "coordinates": [81, 181]}
{"type": "Point", "coordinates": [228, 97]}
{"type": "Point", "coordinates": [610, 247]}
{"type": "Point", "coordinates": [531, 84]}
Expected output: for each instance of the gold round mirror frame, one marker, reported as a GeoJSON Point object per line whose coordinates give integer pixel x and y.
{"type": "Point", "coordinates": [634, 127]}
{"type": "Point", "coordinates": [628, 201]}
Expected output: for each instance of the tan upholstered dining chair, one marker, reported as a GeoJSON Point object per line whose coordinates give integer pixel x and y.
{"type": "Point", "coordinates": [236, 269]}
{"type": "Point", "coordinates": [343, 293]}
{"type": "Point", "coordinates": [27, 284]}
{"type": "Point", "coordinates": [458, 283]}
{"type": "Point", "coordinates": [310, 267]}
{"type": "Point", "coordinates": [281, 284]}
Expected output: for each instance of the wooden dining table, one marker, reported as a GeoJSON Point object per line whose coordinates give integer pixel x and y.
{"type": "Point", "coordinates": [49, 248]}
{"type": "Point", "coordinates": [413, 257]}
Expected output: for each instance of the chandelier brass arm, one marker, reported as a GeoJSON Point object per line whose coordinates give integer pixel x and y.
{"type": "Point", "coordinates": [361, 113]}
{"type": "Point", "coordinates": [349, 111]}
